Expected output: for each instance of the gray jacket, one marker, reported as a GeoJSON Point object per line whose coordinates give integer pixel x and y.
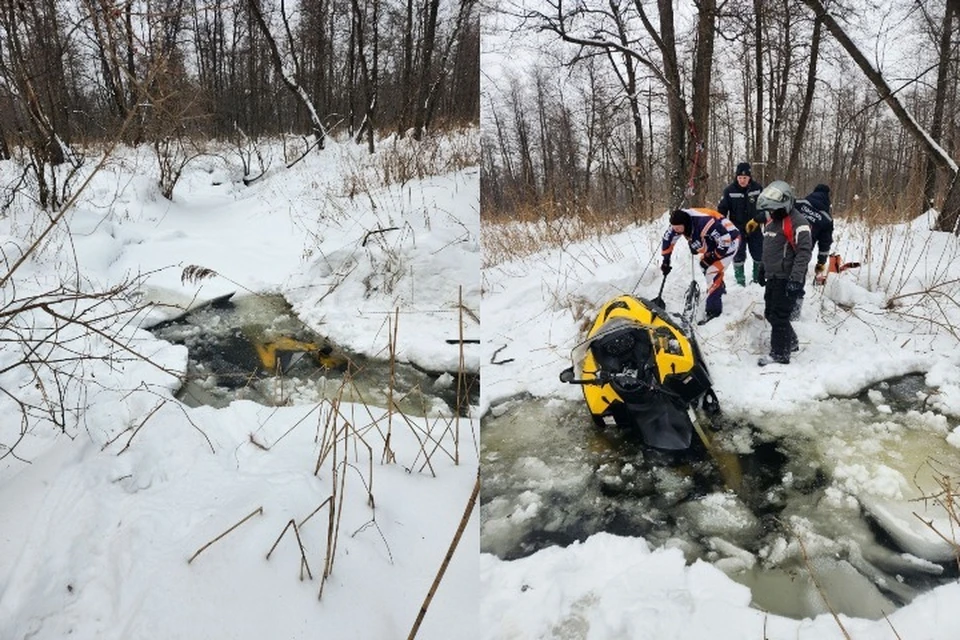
{"type": "Point", "coordinates": [782, 259]}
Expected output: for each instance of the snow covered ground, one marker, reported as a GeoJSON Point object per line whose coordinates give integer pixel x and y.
{"type": "Point", "coordinates": [865, 325]}
{"type": "Point", "coordinates": [114, 521]}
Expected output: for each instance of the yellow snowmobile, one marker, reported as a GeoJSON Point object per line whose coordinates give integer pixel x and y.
{"type": "Point", "coordinates": [642, 370]}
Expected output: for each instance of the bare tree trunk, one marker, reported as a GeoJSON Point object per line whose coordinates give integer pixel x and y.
{"type": "Point", "coordinates": [758, 61]}
{"type": "Point", "coordinates": [290, 82]}
{"type": "Point", "coordinates": [427, 47]}
{"type": "Point", "coordinates": [637, 171]}
{"type": "Point", "coordinates": [807, 101]}
{"type": "Point", "coordinates": [367, 70]}
{"type": "Point", "coordinates": [950, 215]}
{"type": "Point", "coordinates": [406, 72]}
{"type": "Point", "coordinates": [700, 109]}
{"type": "Point", "coordinates": [936, 124]}
{"type": "Point", "coordinates": [676, 105]}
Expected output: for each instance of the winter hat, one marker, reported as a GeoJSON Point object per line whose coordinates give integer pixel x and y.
{"type": "Point", "coordinates": [679, 216]}
{"type": "Point", "coordinates": [743, 169]}
{"type": "Point", "coordinates": [822, 187]}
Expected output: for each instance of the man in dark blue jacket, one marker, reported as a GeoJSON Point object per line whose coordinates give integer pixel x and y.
{"type": "Point", "coordinates": [739, 203]}
{"type": "Point", "coordinates": [816, 209]}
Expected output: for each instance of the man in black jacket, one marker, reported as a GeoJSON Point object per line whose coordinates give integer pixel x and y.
{"type": "Point", "coordinates": [738, 203]}
{"type": "Point", "coordinates": [816, 209]}
{"type": "Point", "coordinates": [786, 253]}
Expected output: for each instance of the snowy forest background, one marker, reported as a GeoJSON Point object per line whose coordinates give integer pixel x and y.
{"type": "Point", "coordinates": [173, 73]}
{"type": "Point", "coordinates": [633, 107]}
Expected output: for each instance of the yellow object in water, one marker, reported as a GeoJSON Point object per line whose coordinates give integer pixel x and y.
{"type": "Point", "coordinates": [677, 362]}
{"type": "Point", "coordinates": [280, 354]}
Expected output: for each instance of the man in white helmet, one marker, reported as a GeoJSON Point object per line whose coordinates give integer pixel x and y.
{"type": "Point", "coordinates": [787, 247]}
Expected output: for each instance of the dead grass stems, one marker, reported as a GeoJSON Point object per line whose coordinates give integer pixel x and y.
{"type": "Point", "coordinates": [454, 543]}
{"type": "Point", "coordinates": [547, 226]}
{"type": "Point", "coordinates": [946, 498]}
{"type": "Point", "coordinates": [304, 565]}
{"type": "Point", "coordinates": [257, 511]}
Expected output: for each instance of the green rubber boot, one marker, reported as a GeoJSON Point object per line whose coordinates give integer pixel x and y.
{"type": "Point", "coordinates": [739, 275]}
{"type": "Point", "coordinates": [756, 272]}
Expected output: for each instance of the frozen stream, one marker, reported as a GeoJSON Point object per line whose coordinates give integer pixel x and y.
{"type": "Point", "coordinates": [255, 348]}
{"type": "Point", "coordinates": [786, 506]}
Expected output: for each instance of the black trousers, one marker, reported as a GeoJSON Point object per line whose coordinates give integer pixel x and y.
{"type": "Point", "coordinates": [777, 310]}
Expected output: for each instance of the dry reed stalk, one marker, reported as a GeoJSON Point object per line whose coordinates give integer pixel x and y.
{"type": "Point", "coordinates": [438, 444]}
{"type": "Point", "coordinates": [344, 434]}
{"type": "Point", "coordinates": [813, 578]}
{"type": "Point", "coordinates": [331, 519]}
{"type": "Point", "coordinates": [393, 329]}
{"type": "Point", "coordinates": [329, 434]}
{"type": "Point", "coordinates": [333, 523]}
{"type": "Point", "coordinates": [471, 503]}
{"type": "Point", "coordinates": [258, 510]}
{"type": "Point", "coordinates": [460, 368]}
{"type": "Point", "coordinates": [342, 493]}
{"type": "Point", "coordinates": [358, 438]}
{"type": "Point", "coordinates": [946, 499]}
{"type": "Point", "coordinates": [892, 629]}
{"type": "Point", "coordinates": [421, 443]}
{"type": "Point", "coordinates": [315, 511]}
{"type": "Point", "coordinates": [303, 553]}
{"type": "Point", "coordinates": [288, 431]}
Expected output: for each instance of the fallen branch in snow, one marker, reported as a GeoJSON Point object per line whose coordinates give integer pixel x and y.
{"type": "Point", "coordinates": [370, 233]}
{"type": "Point", "coordinates": [135, 431]}
{"type": "Point", "coordinates": [471, 503]}
{"type": "Point", "coordinates": [493, 359]}
{"type": "Point", "coordinates": [258, 510]}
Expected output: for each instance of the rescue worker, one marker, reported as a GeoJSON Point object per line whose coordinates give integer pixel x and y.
{"type": "Point", "coordinates": [816, 209]}
{"type": "Point", "coordinates": [738, 203]}
{"type": "Point", "coordinates": [715, 238]}
{"type": "Point", "coordinates": [787, 248]}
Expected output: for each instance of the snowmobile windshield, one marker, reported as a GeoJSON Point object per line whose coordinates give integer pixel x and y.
{"type": "Point", "coordinates": [616, 334]}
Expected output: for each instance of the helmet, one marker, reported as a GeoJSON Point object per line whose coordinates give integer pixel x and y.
{"type": "Point", "coordinates": [777, 195]}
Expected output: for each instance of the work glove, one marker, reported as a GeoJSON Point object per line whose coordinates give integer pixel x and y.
{"type": "Point", "coordinates": [666, 268]}
{"type": "Point", "coordinates": [794, 289]}
{"type": "Point", "coordinates": [751, 225]}
{"type": "Point", "coordinates": [820, 274]}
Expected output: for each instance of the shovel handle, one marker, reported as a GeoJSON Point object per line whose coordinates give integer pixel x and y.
{"type": "Point", "coordinates": [659, 299]}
